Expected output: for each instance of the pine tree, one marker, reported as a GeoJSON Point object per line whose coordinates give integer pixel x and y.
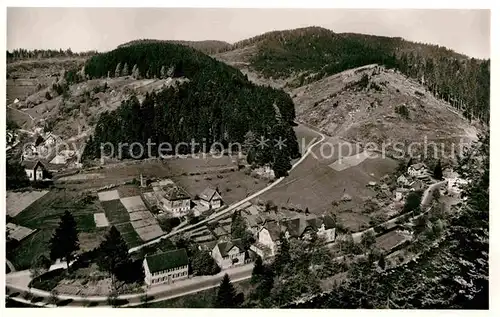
{"type": "Point", "coordinates": [118, 70]}
{"type": "Point", "coordinates": [135, 72]}
{"type": "Point", "coordinates": [170, 71]}
{"type": "Point", "coordinates": [64, 241]}
{"type": "Point", "coordinates": [381, 262]}
{"type": "Point", "coordinates": [125, 70]}
{"type": "Point", "coordinates": [258, 270]}
{"type": "Point", "coordinates": [113, 252]}
{"type": "Point", "coordinates": [281, 164]}
{"type": "Point", "coordinates": [163, 72]}
{"type": "Point", "coordinates": [283, 257]}
{"type": "Point", "coordinates": [226, 294]}
{"type": "Point", "coordinates": [438, 171]}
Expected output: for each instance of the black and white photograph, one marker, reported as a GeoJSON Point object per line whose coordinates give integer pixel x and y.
{"type": "Point", "coordinates": [231, 157]}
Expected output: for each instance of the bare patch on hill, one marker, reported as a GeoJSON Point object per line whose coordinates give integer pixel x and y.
{"type": "Point", "coordinates": [372, 104]}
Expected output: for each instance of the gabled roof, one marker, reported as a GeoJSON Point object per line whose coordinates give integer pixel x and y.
{"type": "Point", "coordinates": [226, 246]}
{"type": "Point", "coordinates": [209, 193]}
{"type": "Point", "coordinates": [297, 226]}
{"type": "Point", "coordinates": [31, 165]}
{"type": "Point", "coordinates": [174, 192]}
{"type": "Point", "coordinates": [167, 260]}
{"type": "Point", "coordinates": [274, 230]}
{"type": "Point", "coordinates": [328, 221]}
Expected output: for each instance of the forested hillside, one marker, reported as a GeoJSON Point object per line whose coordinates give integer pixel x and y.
{"type": "Point", "coordinates": [207, 47]}
{"type": "Point", "coordinates": [23, 54]}
{"type": "Point", "coordinates": [216, 104]}
{"type": "Point", "coordinates": [313, 53]}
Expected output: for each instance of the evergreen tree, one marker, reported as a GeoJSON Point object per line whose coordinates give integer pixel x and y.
{"type": "Point", "coordinates": [281, 165]}
{"type": "Point", "coordinates": [283, 257]}
{"type": "Point", "coordinates": [226, 294]}
{"type": "Point", "coordinates": [118, 70]}
{"type": "Point", "coordinates": [113, 253]}
{"type": "Point", "coordinates": [170, 71]}
{"type": "Point", "coordinates": [64, 241]}
{"type": "Point", "coordinates": [438, 171]}
{"type": "Point", "coordinates": [381, 262]}
{"type": "Point", "coordinates": [15, 175]}
{"type": "Point", "coordinates": [258, 270]}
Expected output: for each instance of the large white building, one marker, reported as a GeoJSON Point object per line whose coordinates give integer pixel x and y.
{"type": "Point", "coordinates": [166, 268]}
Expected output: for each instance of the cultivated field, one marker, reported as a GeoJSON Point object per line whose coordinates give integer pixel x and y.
{"type": "Point", "coordinates": [315, 185]}
{"type": "Point", "coordinates": [44, 216]}
{"type": "Point", "coordinates": [18, 201]}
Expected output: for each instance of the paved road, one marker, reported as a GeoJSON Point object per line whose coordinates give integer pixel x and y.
{"type": "Point", "coordinates": [235, 205]}
{"type": "Point", "coordinates": [19, 282]}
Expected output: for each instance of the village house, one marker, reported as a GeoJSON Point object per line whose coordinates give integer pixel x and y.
{"type": "Point", "coordinates": [34, 170]}
{"type": "Point", "coordinates": [303, 226]}
{"type": "Point", "coordinates": [267, 240]}
{"type": "Point", "coordinates": [166, 268]}
{"type": "Point", "coordinates": [229, 253]}
{"type": "Point", "coordinates": [418, 170]}
{"type": "Point", "coordinates": [399, 193]}
{"type": "Point", "coordinates": [327, 229]}
{"type": "Point", "coordinates": [211, 198]}
{"type": "Point", "coordinates": [174, 200]}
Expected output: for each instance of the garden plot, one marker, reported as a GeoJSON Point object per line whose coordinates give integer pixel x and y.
{"type": "Point", "coordinates": [133, 204]}
{"type": "Point", "coordinates": [353, 160]}
{"type": "Point", "coordinates": [101, 220]}
{"type": "Point", "coordinates": [108, 195]}
{"type": "Point", "coordinates": [144, 223]}
{"type": "Point", "coordinates": [138, 215]}
{"type": "Point", "coordinates": [115, 212]}
{"type": "Point", "coordinates": [149, 232]}
{"type": "Point", "coordinates": [18, 201]}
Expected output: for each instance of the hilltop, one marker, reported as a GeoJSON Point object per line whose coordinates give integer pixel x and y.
{"type": "Point", "coordinates": [375, 104]}
{"type": "Point", "coordinates": [207, 47]}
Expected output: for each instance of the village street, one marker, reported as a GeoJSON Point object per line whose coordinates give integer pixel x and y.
{"type": "Point", "coordinates": [19, 281]}
{"type": "Point", "coordinates": [235, 205]}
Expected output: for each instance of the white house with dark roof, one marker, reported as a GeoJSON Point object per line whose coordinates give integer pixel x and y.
{"type": "Point", "coordinates": [166, 267]}
{"type": "Point", "coordinates": [34, 170]}
{"type": "Point", "coordinates": [173, 199]}
{"type": "Point", "coordinates": [211, 198]}
{"type": "Point", "coordinates": [267, 240]}
{"type": "Point", "coordinates": [229, 253]}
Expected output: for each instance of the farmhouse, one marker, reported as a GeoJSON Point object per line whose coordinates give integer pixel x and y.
{"type": "Point", "coordinates": [419, 169]}
{"type": "Point", "coordinates": [229, 253]}
{"type": "Point", "coordinates": [417, 185]}
{"type": "Point", "coordinates": [267, 240]}
{"type": "Point", "coordinates": [211, 198]}
{"type": "Point", "coordinates": [174, 199]}
{"type": "Point", "coordinates": [302, 227]}
{"type": "Point", "coordinates": [34, 170]}
{"type": "Point", "coordinates": [166, 267]}
{"type": "Point", "coordinates": [327, 229]}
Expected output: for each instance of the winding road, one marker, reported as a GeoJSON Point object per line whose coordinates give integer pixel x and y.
{"type": "Point", "coordinates": [235, 205]}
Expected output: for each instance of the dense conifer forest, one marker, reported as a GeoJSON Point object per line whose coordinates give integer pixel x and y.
{"type": "Point", "coordinates": [313, 53]}
{"type": "Point", "coordinates": [217, 104]}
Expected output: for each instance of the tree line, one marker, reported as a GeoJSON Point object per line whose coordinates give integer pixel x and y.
{"type": "Point", "coordinates": [22, 54]}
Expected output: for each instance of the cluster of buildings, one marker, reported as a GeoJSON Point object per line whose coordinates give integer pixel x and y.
{"type": "Point", "coordinates": [268, 228]}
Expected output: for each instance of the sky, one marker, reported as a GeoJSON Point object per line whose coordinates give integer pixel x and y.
{"type": "Point", "coordinates": [102, 29]}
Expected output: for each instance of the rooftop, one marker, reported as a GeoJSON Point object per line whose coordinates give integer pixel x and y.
{"type": "Point", "coordinates": [167, 260]}
{"type": "Point", "coordinates": [209, 193]}
{"type": "Point", "coordinates": [226, 246]}
{"type": "Point", "coordinates": [174, 192]}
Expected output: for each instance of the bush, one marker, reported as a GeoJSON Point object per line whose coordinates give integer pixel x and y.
{"type": "Point", "coordinates": [167, 224]}
{"type": "Point", "coordinates": [403, 111]}
{"type": "Point", "coordinates": [48, 96]}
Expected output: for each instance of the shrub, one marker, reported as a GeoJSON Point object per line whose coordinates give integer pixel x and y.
{"type": "Point", "coordinates": [402, 110]}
